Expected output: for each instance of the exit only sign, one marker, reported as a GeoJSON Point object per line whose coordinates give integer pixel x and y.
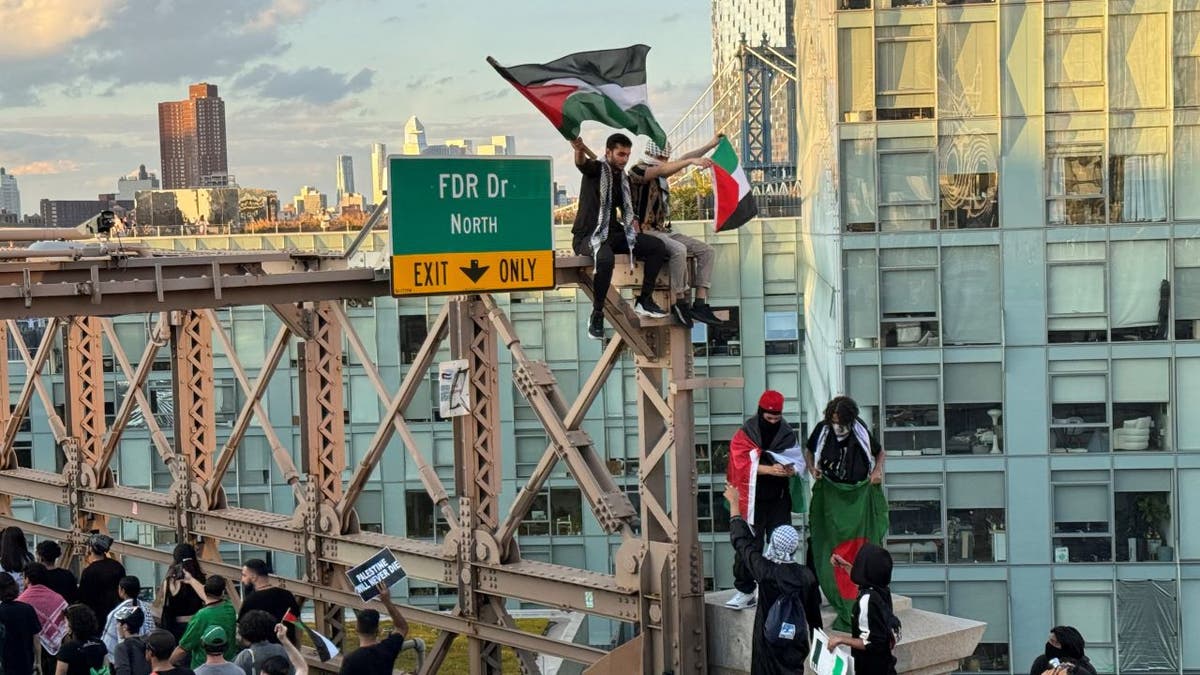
{"type": "Point", "coordinates": [464, 225]}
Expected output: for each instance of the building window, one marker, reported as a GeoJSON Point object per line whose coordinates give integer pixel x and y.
{"type": "Point", "coordinates": [1074, 63]}
{"type": "Point", "coordinates": [1076, 186]}
{"type": "Point", "coordinates": [557, 511]}
{"type": "Point", "coordinates": [904, 72]}
{"type": "Point", "coordinates": [1078, 406]}
{"type": "Point", "coordinates": [1082, 516]}
{"type": "Point", "coordinates": [1137, 168]}
{"type": "Point", "coordinates": [782, 332]}
{"type": "Point", "coordinates": [422, 520]}
{"type": "Point", "coordinates": [1137, 60]}
{"type": "Point", "coordinates": [1141, 397]}
{"type": "Point", "coordinates": [971, 295]}
{"type": "Point", "coordinates": [30, 332]}
{"type": "Point", "coordinates": [413, 332]}
{"type": "Point", "coordinates": [915, 533]}
{"type": "Point", "coordinates": [1075, 281]}
{"type": "Point", "coordinates": [907, 175]}
{"type": "Point", "coordinates": [969, 181]}
{"type": "Point", "coordinates": [968, 76]}
{"type": "Point", "coordinates": [369, 508]}
{"type": "Point", "coordinates": [908, 283]}
{"type": "Point", "coordinates": [862, 299]}
{"type": "Point", "coordinates": [722, 340]}
{"type": "Point", "coordinates": [973, 396]}
{"type": "Point", "coordinates": [975, 519]}
{"type": "Point", "coordinates": [985, 601]}
{"type": "Point", "coordinates": [856, 83]}
{"type": "Point", "coordinates": [712, 510]}
{"type": "Point", "coordinates": [1187, 287]}
{"type": "Point", "coordinates": [1142, 504]}
{"type": "Point", "coordinates": [1186, 174]}
{"type": "Point", "coordinates": [862, 384]}
{"type": "Point", "coordinates": [857, 176]}
{"type": "Point", "coordinates": [1187, 58]}
{"type": "Point", "coordinates": [1088, 606]}
{"type": "Point", "coordinates": [912, 418]}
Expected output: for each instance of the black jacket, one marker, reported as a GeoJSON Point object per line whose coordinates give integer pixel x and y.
{"type": "Point", "coordinates": [1071, 652]}
{"type": "Point", "coordinates": [873, 619]}
{"type": "Point", "coordinates": [773, 580]}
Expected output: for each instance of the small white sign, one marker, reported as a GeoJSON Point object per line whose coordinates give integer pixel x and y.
{"type": "Point", "coordinates": [454, 397]}
{"type": "Point", "coordinates": [1062, 554]}
{"type": "Point", "coordinates": [825, 662]}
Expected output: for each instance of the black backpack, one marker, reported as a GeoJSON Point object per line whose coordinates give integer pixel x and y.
{"type": "Point", "coordinates": [785, 625]}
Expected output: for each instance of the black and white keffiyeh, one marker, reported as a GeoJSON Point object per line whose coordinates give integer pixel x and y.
{"type": "Point", "coordinates": [602, 222]}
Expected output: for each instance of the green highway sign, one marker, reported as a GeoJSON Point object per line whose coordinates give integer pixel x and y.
{"type": "Point", "coordinates": [470, 224]}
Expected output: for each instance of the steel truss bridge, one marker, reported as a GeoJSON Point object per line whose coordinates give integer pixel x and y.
{"type": "Point", "coordinates": [658, 583]}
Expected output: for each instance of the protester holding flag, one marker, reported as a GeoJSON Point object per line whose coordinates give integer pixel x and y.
{"type": "Point", "coordinates": [763, 456]}
{"type": "Point", "coordinates": [848, 508]}
{"type": "Point", "coordinates": [604, 226]}
{"type": "Point", "coordinates": [652, 206]}
{"type": "Point", "coordinates": [778, 576]}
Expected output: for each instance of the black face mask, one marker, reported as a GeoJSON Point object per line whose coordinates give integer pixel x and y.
{"type": "Point", "coordinates": [1053, 652]}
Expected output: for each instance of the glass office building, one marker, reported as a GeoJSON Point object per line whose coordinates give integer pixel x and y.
{"type": "Point", "coordinates": [755, 280]}
{"type": "Point", "coordinates": [1002, 224]}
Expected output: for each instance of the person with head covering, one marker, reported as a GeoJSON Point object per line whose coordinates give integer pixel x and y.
{"type": "Point", "coordinates": [875, 629]}
{"type": "Point", "coordinates": [215, 642]}
{"type": "Point", "coordinates": [763, 456]}
{"type": "Point", "coordinates": [100, 577]}
{"type": "Point", "coordinates": [1064, 647]}
{"type": "Point", "coordinates": [180, 600]}
{"type": "Point", "coordinates": [652, 207]}
{"type": "Point", "coordinates": [777, 574]}
{"type": "Point", "coordinates": [129, 657]}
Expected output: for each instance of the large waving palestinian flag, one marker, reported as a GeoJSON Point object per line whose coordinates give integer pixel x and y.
{"type": "Point", "coordinates": [842, 518]}
{"type": "Point", "coordinates": [606, 86]}
{"type": "Point", "coordinates": [735, 202]}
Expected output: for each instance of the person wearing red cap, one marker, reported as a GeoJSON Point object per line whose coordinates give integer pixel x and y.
{"type": "Point", "coordinates": [763, 456]}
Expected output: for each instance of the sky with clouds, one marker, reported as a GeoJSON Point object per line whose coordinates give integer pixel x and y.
{"type": "Point", "coordinates": [305, 80]}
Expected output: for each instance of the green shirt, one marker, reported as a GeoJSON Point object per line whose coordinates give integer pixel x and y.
{"type": "Point", "coordinates": [221, 614]}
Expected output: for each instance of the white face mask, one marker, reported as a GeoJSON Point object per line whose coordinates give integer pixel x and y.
{"type": "Point", "coordinates": [840, 430]}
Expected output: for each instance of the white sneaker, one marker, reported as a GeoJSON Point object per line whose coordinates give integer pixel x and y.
{"type": "Point", "coordinates": [742, 600]}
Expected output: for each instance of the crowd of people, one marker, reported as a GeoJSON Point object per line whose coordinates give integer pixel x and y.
{"type": "Point", "coordinates": [52, 623]}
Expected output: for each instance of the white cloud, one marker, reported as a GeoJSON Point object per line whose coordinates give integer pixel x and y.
{"type": "Point", "coordinates": [279, 12]}
{"type": "Point", "coordinates": [44, 168]}
{"type": "Point", "coordinates": [37, 28]}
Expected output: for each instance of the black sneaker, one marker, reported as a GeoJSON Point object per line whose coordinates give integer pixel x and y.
{"type": "Point", "coordinates": [682, 314]}
{"type": "Point", "coordinates": [703, 313]}
{"type": "Point", "coordinates": [596, 326]}
{"type": "Point", "coordinates": [647, 307]}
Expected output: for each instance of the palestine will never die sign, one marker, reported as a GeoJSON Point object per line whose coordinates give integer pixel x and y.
{"type": "Point", "coordinates": [463, 225]}
{"type": "Point", "coordinates": [379, 568]}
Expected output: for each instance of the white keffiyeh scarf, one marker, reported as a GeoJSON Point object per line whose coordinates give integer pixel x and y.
{"type": "Point", "coordinates": [602, 222]}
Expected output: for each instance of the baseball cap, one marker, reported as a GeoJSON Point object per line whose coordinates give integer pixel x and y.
{"type": "Point", "coordinates": [214, 637]}
{"type": "Point", "coordinates": [771, 401]}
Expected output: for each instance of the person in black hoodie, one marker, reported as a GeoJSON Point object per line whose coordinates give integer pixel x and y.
{"type": "Point", "coordinates": [875, 628]}
{"type": "Point", "coordinates": [777, 574]}
{"type": "Point", "coordinates": [759, 456]}
{"type": "Point", "coordinates": [1063, 647]}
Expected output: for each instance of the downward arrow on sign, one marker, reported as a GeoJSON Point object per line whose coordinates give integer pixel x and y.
{"type": "Point", "coordinates": [475, 272]}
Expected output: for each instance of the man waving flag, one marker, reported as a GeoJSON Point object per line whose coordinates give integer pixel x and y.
{"type": "Point", "coordinates": [606, 86]}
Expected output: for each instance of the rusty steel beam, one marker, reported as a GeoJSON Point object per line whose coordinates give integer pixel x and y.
{"type": "Point", "coordinates": [135, 395]}
{"type": "Point", "coordinates": [33, 381]}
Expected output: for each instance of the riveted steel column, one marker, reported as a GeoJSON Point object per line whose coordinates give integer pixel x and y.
{"type": "Point", "coordinates": [84, 405]}
{"type": "Point", "coordinates": [195, 417]}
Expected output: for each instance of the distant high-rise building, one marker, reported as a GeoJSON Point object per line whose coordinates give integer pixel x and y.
{"type": "Point", "coordinates": [191, 137]}
{"type": "Point", "coordinates": [10, 195]}
{"type": "Point", "coordinates": [500, 145]}
{"type": "Point", "coordinates": [128, 186]}
{"type": "Point", "coordinates": [378, 172]}
{"type": "Point", "coordinates": [465, 144]}
{"type": "Point", "coordinates": [310, 200]}
{"type": "Point", "coordinates": [345, 176]}
{"type": "Point", "coordinates": [414, 137]}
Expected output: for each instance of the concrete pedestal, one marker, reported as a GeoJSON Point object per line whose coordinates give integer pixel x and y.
{"type": "Point", "coordinates": [931, 643]}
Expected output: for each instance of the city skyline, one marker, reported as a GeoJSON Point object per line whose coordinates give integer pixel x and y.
{"type": "Point", "coordinates": [70, 120]}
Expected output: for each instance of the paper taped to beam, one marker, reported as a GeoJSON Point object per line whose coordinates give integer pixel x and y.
{"type": "Point", "coordinates": [379, 568]}
{"type": "Point", "coordinates": [825, 662]}
{"type": "Point", "coordinates": [453, 398]}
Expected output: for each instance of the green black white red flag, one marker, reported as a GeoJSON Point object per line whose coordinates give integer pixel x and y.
{"type": "Point", "coordinates": [842, 518]}
{"type": "Point", "coordinates": [735, 201]}
{"type": "Point", "coordinates": [325, 647]}
{"type": "Point", "coordinates": [606, 86]}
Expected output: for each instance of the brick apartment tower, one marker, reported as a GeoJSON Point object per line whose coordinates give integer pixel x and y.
{"type": "Point", "coordinates": [191, 137]}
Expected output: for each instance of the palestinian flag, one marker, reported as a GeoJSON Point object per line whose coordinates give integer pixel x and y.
{"type": "Point", "coordinates": [606, 86]}
{"type": "Point", "coordinates": [735, 203]}
{"type": "Point", "coordinates": [842, 518]}
{"type": "Point", "coordinates": [325, 648]}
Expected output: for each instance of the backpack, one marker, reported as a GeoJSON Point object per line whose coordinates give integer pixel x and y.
{"type": "Point", "coordinates": [785, 625]}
